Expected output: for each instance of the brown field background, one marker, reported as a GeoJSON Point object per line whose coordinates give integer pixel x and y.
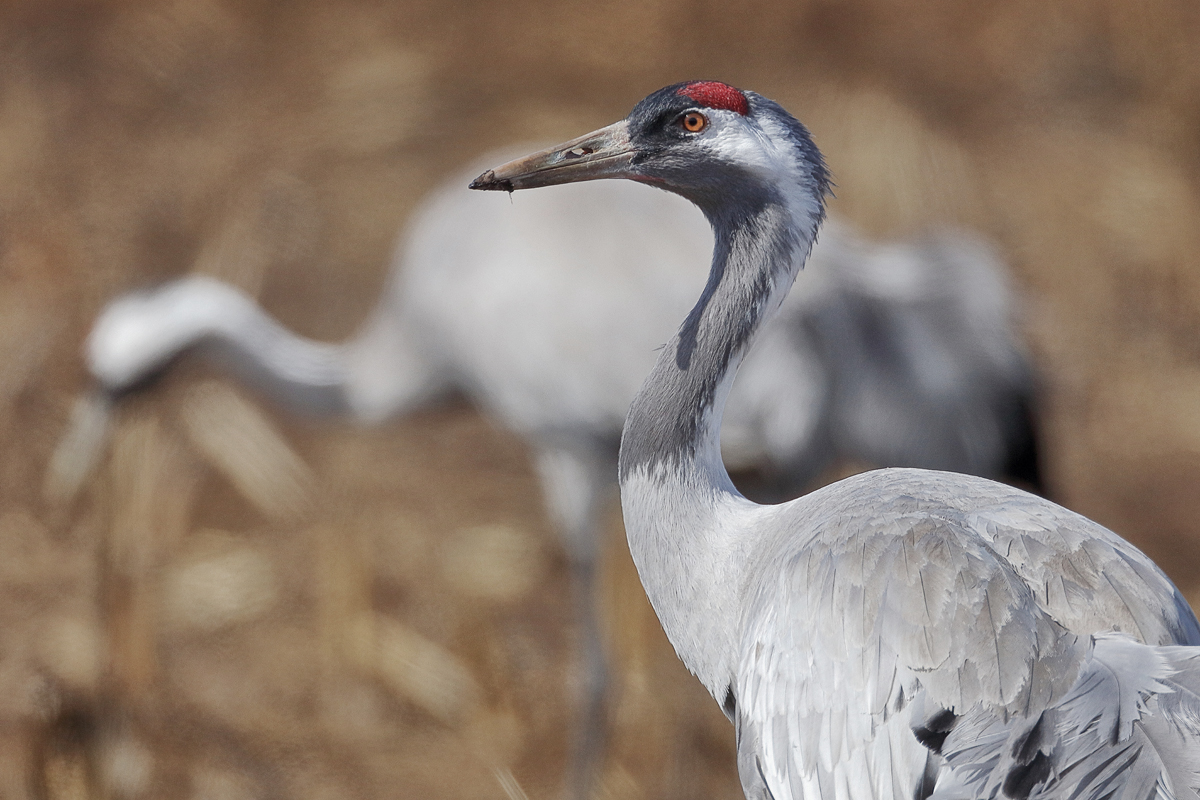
{"type": "Point", "coordinates": [243, 603]}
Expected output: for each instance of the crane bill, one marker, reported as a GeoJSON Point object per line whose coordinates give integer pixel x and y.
{"type": "Point", "coordinates": [606, 153]}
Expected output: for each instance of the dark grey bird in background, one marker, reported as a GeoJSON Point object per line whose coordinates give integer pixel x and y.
{"type": "Point", "coordinates": [548, 311]}
{"type": "Point", "coordinates": [903, 633]}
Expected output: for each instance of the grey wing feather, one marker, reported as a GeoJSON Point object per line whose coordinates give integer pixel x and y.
{"type": "Point", "coordinates": [1128, 728]}
{"type": "Point", "coordinates": [847, 631]}
{"type": "Point", "coordinates": [1084, 575]}
{"type": "Point", "coordinates": [970, 600]}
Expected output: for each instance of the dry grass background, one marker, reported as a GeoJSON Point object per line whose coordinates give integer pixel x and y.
{"type": "Point", "coordinates": [248, 604]}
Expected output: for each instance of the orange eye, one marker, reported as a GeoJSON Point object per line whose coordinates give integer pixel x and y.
{"type": "Point", "coordinates": [694, 122]}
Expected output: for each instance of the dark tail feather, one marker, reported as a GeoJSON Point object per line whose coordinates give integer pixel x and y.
{"type": "Point", "coordinates": [1022, 466]}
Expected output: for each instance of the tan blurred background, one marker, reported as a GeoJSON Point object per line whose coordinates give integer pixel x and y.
{"type": "Point", "coordinates": [383, 613]}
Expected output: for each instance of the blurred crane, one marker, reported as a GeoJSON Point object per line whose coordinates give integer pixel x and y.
{"type": "Point", "coordinates": [547, 313]}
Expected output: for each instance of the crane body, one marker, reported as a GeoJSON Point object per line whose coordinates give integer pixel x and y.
{"type": "Point", "coordinates": [900, 634]}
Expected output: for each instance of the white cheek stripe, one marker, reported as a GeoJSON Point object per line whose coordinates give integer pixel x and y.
{"type": "Point", "coordinates": [763, 147]}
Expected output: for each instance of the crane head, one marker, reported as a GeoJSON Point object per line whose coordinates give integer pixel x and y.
{"type": "Point", "coordinates": [716, 145]}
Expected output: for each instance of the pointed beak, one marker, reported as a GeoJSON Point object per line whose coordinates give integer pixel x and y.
{"type": "Point", "coordinates": [606, 153]}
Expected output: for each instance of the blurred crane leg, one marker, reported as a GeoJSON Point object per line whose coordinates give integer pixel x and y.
{"type": "Point", "coordinates": [577, 480]}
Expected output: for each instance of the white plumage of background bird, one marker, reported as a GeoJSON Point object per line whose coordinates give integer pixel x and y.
{"type": "Point", "coordinates": [898, 634]}
{"type": "Point", "coordinates": [897, 353]}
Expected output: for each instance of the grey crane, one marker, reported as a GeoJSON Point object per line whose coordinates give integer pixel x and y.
{"type": "Point", "coordinates": [897, 353]}
{"type": "Point", "coordinates": [899, 634]}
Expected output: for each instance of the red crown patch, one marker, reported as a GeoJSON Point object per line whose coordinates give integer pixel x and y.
{"type": "Point", "coordinates": [714, 94]}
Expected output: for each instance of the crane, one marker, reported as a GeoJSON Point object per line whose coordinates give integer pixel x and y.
{"type": "Point", "coordinates": [903, 633]}
{"type": "Point", "coordinates": [897, 353]}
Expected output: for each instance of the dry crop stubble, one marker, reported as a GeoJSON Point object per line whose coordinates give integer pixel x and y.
{"type": "Point", "coordinates": [244, 603]}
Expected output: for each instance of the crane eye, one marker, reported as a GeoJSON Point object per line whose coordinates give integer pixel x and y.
{"type": "Point", "coordinates": [693, 121]}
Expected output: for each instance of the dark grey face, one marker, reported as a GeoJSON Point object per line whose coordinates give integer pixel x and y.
{"type": "Point", "coordinates": [708, 165]}
{"type": "Point", "coordinates": [670, 135]}
{"type": "Point", "coordinates": [658, 125]}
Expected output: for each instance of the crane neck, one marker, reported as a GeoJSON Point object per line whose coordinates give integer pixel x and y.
{"type": "Point", "coordinates": [674, 422]}
{"type": "Point", "coordinates": [690, 532]}
{"type": "Point", "coordinates": [139, 334]}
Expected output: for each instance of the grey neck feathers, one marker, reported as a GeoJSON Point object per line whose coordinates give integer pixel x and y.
{"type": "Point", "coordinates": [674, 422]}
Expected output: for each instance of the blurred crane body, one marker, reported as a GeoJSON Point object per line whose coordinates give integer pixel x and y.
{"type": "Point", "coordinates": [898, 354]}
